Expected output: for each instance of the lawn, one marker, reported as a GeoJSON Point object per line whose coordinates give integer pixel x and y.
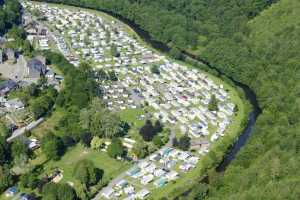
{"type": "Point", "coordinates": [49, 124]}
{"type": "Point", "coordinates": [132, 116]}
{"type": "Point", "coordinates": [110, 166]}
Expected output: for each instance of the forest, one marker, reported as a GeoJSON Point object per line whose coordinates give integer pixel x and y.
{"type": "Point", "coordinates": [256, 42]}
{"type": "Point", "coordinates": [9, 14]}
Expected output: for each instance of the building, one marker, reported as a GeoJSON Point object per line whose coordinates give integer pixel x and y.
{"type": "Point", "coordinates": [50, 74]}
{"type": "Point", "coordinates": [147, 179]}
{"type": "Point", "coordinates": [107, 193]}
{"type": "Point", "coordinates": [143, 194]}
{"type": "Point", "coordinates": [14, 104]}
{"type": "Point", "coordinates": [10, 192]}
{"type": "Point", "coordinates": [25, 196]}
{"type": "Point", "coordinates": [7, 86]}
{"type": "Point", "coordinates": [172, 175]}
{"type": "Point", "coordinates": [10, 55]}
{"type": "Point", "coordinates": [33, 144]}
{"type": "Point", "coordinates": [35, 68]}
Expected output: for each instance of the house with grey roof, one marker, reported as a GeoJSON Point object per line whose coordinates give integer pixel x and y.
{"type": "Point", "coordinates": [35, 68]}
{"type": "Point", "coordinates": [10, 54]}
{"type": "Point", "coordinates": [14, 104]}
{"type": "Point", "coordinates": [7, 86]}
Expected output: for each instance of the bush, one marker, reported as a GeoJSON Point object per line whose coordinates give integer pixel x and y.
{"type": "Point", "coordinates": [87, 173]}
{"type": "Point", "coordinates": [52, 146]}
{"type": "Point", "coordinates": [58, 191]}
{"type": "Point", "coordinates": [157, 141]}
{"type": "Point", "coordinates": [116, 149]}
{"type": "Point", "coordinates": [184, 143]}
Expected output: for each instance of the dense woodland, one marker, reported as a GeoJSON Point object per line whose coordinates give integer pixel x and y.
{"type": "Point", "coordinates": [9, 14]}
{"type": "Point", "coordinates": [256, 42]}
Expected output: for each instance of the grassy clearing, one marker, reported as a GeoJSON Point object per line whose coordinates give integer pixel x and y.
{"type": "Point", "coordinates": [132, 116]}
{"type": "Point", "coordinates": [49, 124]}
{"type": "Point", "coordinates": [110, 166]}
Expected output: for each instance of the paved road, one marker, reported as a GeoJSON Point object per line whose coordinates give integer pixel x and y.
{"type": "Point", "coordinates": [113, 182]}
{"type": "Point", "coordinates": [22, 130]}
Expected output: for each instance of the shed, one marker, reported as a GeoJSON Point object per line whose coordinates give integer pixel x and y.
{"type": "Point", "coordinates": [12, 191]}
{"type": "Point", "coordinates": [142, 194]}
{"type": "Point", "coordinates": [107, 192]}
{"type": "Point", "coordinates": [7, 86]}
{"type": "Point", "coordinates": [172, 175]}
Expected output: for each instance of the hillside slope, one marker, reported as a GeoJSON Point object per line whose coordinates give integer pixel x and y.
{"type": "Point", "coordinates": [268, 59]}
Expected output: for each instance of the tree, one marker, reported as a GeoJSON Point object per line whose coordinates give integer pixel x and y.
{"type": "Point", "coordinates": [81, 190]}
{"type": "Point", "coordinates": [157, 141]}
{"type": "Point", "coordinates": [87, 173]}
{"type": "Point", "coordinates": [236, 108]}
{"type": "Point", "coordinates": [68, 141]}
{"type": "Point", "coordinates": [107, 36]}
{"type": "Point", "coordinates": [96, 143]}
{"type": "Point", "coordinates": [3, 130]}
{"type": "Point", "coordinates": [158, 127]}
{"type": "Point", "coordinates": [140, 149]}
{"type": "Point", "coordinates": [148, 131]}
{"type": "Point", "coordinates": [102, 75]}
{"type": "Point", "coordinates": [86, 139]}
{"type": "Point", "coordinates": [38, 108]}
{"type": "Point", "coordinates": [155, 69]}
{"type": "Point", "coordinates": [33, 90]}
{"type": "Point", "coordinates": [199, 192]}
{"type": "Point", "coordinates": [184, 143]}
{"type": "Point", "coordinates": [6, 178]}
{"type": "Point", "coordinates": [42, 82]}
{"type": "Point", "coordinates": [213, 104]}
{"type": "Point", "coordinates": [60, 100]}
{"type": "Point", "coordinates": [175, 142]}
{"type": "Point", "coordinates": [112, 75]}
{"type": "Point", "coordinates": [58, 191]}
{"type": "Point", "coordinates": [4, 151]}
{"type": "Point", "coordinates": [123, 129]}
{"type": "Point", "coordinates": [29, 180]}
{"type": "Point", "coordinates": [176, 53]}
{"type": "Point", "coordinates": [116, 148]}
{"type": "Point", "coordinates": [99, 121]}
{"type": "Point", "coordinates": [20, 151]}
{"type": "Point", "coordinates": [114, 51]}
{"type": "Point", "coordinates": [52, 146]}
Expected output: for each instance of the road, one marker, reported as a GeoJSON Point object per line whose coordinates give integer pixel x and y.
{"type": "Point", "coordinates": [22, 130]}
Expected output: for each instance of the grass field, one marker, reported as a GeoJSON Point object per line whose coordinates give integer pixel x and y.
{"type": "Point", "coordinates": [49, 124]}
{"type": "Point", "coordinates": [110, 166]}
{"type": "Point", "coordinates": [132, 116]}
